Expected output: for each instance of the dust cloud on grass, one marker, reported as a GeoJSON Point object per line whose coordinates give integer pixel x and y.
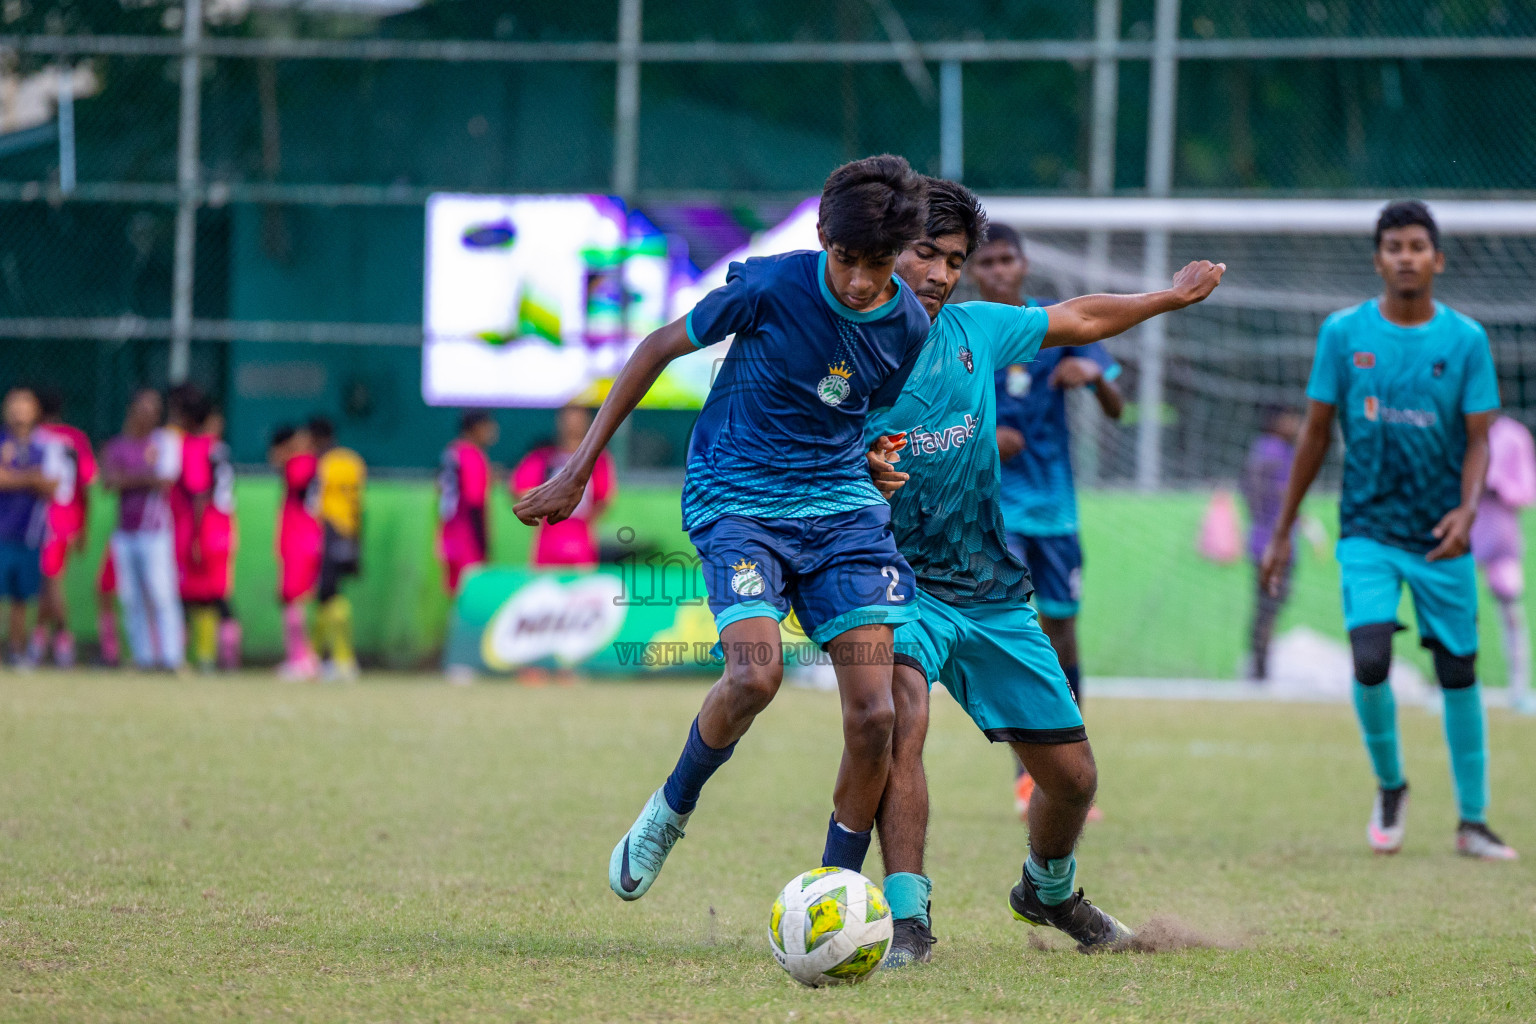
{"type": "Point", "coordinates": [1163, 933]}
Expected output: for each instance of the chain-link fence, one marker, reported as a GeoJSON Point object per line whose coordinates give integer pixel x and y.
{"type": "Point", "coordinates": [239, 196]}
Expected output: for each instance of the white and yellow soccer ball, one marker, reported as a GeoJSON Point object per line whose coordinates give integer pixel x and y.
{"type": "Point", "coordinates": [830, 926]}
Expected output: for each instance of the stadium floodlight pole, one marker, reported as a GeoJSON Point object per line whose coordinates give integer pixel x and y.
{"type": "Point", "coordinates": [187, 187]}
{"type": "Point", "coordinates": [66, 128]}
{"type": "Point", "coordinates": [626, 108]}
{"type": "Point", "coordinates": [1101, 182]}
{"type": "Point", "coordinates": [1101, 150]}
{"type": "Point", "coordinates": [1154, 334]}
{"type": "Point", "coordinates": [951, 122]}
{"type": "Point", "coordinates": [626, 159]}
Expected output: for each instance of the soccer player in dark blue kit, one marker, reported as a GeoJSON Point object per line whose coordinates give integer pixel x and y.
{"type": "Point", "coordinates": [1413, 385]}
{"type": "Point", "coordinates": [777, 496]}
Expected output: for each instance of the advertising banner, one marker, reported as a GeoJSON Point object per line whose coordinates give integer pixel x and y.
{"type": "Point", "coordinates": [600, 620]}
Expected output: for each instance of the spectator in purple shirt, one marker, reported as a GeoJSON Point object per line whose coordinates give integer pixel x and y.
{"type": "Point", "coordinates": [141, 464]}
{"type": "Point", "coordinates": [1264, 479]}
{"type": "Point", "coordinates": [27, 479]}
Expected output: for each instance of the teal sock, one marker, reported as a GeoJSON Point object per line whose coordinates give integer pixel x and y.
{"type": "Point", "coordinates": [1053, 878]}
{"type": "Point", "coordinates": [907, 893]}
{"type": "Point", "coordinates": [1466, 734]}
{"type": "Point", "coordinates": [1377, 712]}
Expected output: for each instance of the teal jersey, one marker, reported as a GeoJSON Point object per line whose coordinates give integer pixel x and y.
{"type": "Point", "coordinates": [948, 517]}
{"type": "Point", "coordinates": [1402, 395]}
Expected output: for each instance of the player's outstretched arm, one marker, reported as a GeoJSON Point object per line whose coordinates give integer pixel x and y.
{"type": "Point", "coordinates": [557, 498]}
{"type": "Point", "coordinates": [1090, 318]}
{"type": "Point", "coordinates": [1454, 531]}
{"type": "Point", "coordinates": [1311, 449]}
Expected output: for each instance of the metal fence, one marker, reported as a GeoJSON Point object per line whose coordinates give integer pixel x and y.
{"type": "Point", "coordinates": [232, 191]}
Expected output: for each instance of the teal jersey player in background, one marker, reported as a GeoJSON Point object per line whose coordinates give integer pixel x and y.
{"type": "Point", "coordinates": [1413, 386]}
{"type": "Point", "coordinates": [1034, 441]}
{"type": "Point", "coordinates": [978, 634]}
{"type": "Point", "coordinates": [777, 497]}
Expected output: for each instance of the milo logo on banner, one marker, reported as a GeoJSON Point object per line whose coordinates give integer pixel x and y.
{"type": "Point", "coordinates": [567, 621]}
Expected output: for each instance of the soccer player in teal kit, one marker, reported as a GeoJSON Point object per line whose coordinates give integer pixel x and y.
{"type": "Point", "coordinates": [1413, 384]}
{"type": "Point", "coordinates": [978, 634]}
{"type": "Point", "coordinates": [777, 496]}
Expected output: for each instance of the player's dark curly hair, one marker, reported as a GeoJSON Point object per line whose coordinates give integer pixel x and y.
{"type": "Point", "coordinates": [952, 207]}
{"type": "Point", "coordinates": [1405, 213]}
{"type": "Point", "coordinates": [874, 207]}
{"type": "Point", "coordinates": [1004, 235]}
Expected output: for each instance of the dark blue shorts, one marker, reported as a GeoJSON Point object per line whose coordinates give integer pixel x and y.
{"type": "Point", "coordinates": [1056, 567]}
{"type": "Point", "coordinates": [21, 571]}
{"type": "Point", "coordinates": [835, 572]}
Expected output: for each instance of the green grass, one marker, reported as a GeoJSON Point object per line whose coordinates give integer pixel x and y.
{"type": "Point", "coordinates": [398, 851]}
{"type": "Point", "coordinates": [1153, 607]}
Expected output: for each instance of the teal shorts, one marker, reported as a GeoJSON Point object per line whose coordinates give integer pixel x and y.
{"type": "Point", "coordinates": [997, 662]}
{"type": "Point", "coordinates": [1444, 593]}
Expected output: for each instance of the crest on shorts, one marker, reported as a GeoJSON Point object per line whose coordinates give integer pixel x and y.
{"type": "Point", "coordinates": [1365, 360]}
{"type": "Point", "coordinates": [747, 581]}
{"type": "Point", "coordinates": [966, 360]}
{"type": "Point", "coordinates": [1439, 368]}
{"type": "Point", "coordinates": [834, 387]}
{"type": "Point", "coordinates": [1372, 408]}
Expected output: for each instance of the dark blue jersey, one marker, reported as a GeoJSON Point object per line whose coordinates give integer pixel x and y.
{"type": "Point", "coordinates": [1402, 395]}
{"type": "Point", "coordinates": [781, 435]}
{"type": "Point", "coordinates": [1039, 497]}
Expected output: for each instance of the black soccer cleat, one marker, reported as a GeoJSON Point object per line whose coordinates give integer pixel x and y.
{"type": "Point", "coordinates": [911, 943]}
{"type": "Point", "coordinates": [1092, 929]}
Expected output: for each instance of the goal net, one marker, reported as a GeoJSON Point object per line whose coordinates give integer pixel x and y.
{"type": "Point", "coordinates": [1153, 604]}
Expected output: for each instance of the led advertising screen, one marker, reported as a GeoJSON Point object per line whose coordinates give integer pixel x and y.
{"type": "Point", "coordinates": [537, 300]}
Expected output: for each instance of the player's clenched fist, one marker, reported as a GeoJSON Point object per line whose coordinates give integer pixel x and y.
{"type": "Point", "coordinates": [1197, 280]}
{"type": "Point", "coordinates": [553, 501]}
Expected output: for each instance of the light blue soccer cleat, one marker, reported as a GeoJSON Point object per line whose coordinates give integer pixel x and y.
{"type": "Point", "coordinates": [638, 858]}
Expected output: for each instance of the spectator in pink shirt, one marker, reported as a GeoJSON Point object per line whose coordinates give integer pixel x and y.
{"type": "Point", "coordinates": [570, 542]}
{"type": "Point", "coordinates": [1499, 548]}
{"type": "Point", "coordinates": [463, 491]}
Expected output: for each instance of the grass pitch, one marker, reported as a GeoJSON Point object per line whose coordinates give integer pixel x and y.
{"type": "Point", "coordinates": [196, 850]}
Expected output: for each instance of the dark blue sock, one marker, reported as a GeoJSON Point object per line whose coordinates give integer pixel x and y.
{"type": "Point", "coordinates": [1075, 683]}
{"type": "Point", "coordinates": [845, 849]}
{"type": "Point", "coordinates": [697, 763]}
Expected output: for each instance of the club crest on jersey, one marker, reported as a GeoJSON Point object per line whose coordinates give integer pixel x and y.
{"type": "Point", "coordinates": [966, 360]}
{"type": "Point", "coordinates": [1439, 368]}
{"type": "Point", "coordinates": [834, 387]}
{"type": "Point", "coordinates": [747, 581]}
{"type": "Point", "coordinates": [1372, 408]}
{"type": "Point", "coordinates": [1365, 360]}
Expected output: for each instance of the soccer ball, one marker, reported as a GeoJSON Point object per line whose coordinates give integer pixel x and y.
{"type": "Point", "coordinates": [830, 926]}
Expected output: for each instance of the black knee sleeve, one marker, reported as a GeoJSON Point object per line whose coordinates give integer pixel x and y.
{"type": "Point", "coordinates": [1372, 649]}
{"type": "Point", "coordinates": [1454, 671]}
